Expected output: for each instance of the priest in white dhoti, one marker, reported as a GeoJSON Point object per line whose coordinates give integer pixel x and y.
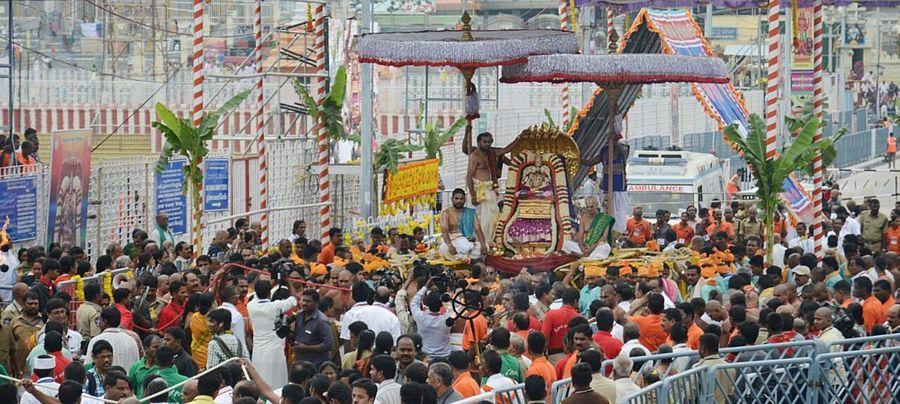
{"type": "Point", "coordinates": [462, 237]}
{"type": "Point", "coordinates": [268, 348]}
{"type": "Point", "coordinates": [594, 232]}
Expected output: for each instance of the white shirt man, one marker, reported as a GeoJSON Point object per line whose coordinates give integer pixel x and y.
{"type": "Point", "coordinates": [388, 392]}
{"type": "Point", "coordinates": [268, 348]}
{"type": "Point", "coordinates": [432, 327]}
{"type": "Point", "coordinates": [237, 322]}
{"type": "Point", "coordinates": [125, 349]}
{"type": "Point", "coordinates": [376, 316]}
{"type": "Point", "coordinates": [46, 385]}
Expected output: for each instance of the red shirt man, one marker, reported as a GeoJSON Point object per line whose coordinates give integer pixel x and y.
{"type": "Point", "coordinates": [171, 314]}
{"type": "Point", "coordinates": [556, 322]}
{"type": "Point", "coordinates": [610, 345]}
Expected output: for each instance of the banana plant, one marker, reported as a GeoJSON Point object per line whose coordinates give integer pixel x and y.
{"type": "Point", "coordinates": [572, 114]}
{"type": "Point", "coordinates": [391, 152]}
{"type": "Point", "coordinates": [183, 138]}
{"type": "Point", "coordinates": [330, 111]}
{"type": "Point", "coordinates": [769, 174]}
{"type": "Point", "coordinates": [435, 138]}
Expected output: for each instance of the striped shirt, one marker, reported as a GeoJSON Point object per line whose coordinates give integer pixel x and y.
{"type": "Point", "coordinates": [216, 353]}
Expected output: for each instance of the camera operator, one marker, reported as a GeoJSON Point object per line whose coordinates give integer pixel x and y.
{"type": "Point", "coordinates": [431, 325]}
{"type": "Point", "coordinates": [313, 336]}
{"type": "Point", "coordinates": [375, 314]}
{"type": "Point", "coordinates": [268, 347]}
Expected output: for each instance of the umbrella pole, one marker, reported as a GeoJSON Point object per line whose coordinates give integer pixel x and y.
{"type": "Point", "coordinates": [612, 95]}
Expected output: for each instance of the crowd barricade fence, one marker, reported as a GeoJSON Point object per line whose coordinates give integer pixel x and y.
{"type": "Point", "coordinates": [507, 395]}
{"type": "Point", "coordinates": [851, 370]}
{"type": "Point", "coordinates": [70, 287]}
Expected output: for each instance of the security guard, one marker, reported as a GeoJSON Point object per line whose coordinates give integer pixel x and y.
{"type": "Point", "coordinates": [14, 310]}
{"type": "Point", "coordinates": [24, 327]}
{"type": "Point", "coordinates": [7, 346]}
{"type": "Point", "coordinates": [87, 318]}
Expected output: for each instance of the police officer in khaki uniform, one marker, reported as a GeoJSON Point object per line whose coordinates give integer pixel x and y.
{"type": "Point", "coordinates": [7, 346]}
{"type": "Point", "coordinates": [24, 327]}
{"type": "Point", "coordinates": [14, 310]}
{"type": "Point", "coordinates": [87, 318]}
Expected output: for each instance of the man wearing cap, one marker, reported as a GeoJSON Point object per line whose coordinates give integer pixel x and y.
{"type": "Point", "coordinates": [43, 370]}
{"type": "Point", "coordinates": [801, 277]}
{"type": "Point", "coordinates": [709, 280]}
{"type": "Point", "coordinates": [591, 290]}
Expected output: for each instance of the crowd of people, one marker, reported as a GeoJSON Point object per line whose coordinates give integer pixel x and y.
{"type": "Point", "coordinates": [335, 322]}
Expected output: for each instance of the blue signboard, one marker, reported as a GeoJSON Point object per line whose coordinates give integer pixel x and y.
{"type": "Point", "coordinates": [18, 201]}
{"type": "Point", "coordinates": [170, 196]}
{"type": "Point", "coordinates": [215, 185]}
{"type": "Point", "coordinates": [724, 33]}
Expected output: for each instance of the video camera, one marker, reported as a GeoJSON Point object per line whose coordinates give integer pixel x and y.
{"type": "Point", "coordinates": [283, 325]}
{"type": "Point", "coordinates": [439, 275]}
{"type": "Point", "coordinates": [280, 269]}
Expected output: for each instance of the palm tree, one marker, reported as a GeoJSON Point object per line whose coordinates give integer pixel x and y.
{"type": "Point", "coordinates": [189, 141]}
{"type": "Point", "coordinates": [769, 174]}
{"type": "Point", "coordinates": [330, 111]}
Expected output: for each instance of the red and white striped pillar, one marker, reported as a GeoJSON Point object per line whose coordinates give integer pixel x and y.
{"type": "Point", "coordinates": [564, 25]}
{"type": "Point", "coordinates": [260, 122]}
{"type": "Point", "coordinates": [319, 128]}
{"type": "Point", "coordinates": [771, 105]}
{"type": "Point", "coordinates": [818, 100]}
{"type": "Point", "coordinates": [609, 22]}
{"type": "Point", "coordinates": [197, 109]}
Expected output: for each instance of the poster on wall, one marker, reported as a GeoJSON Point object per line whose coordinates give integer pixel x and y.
{"type": "Point", "coordinates": [70, 175]}
{"type": "Point", "coordinates": [18, 202]}
{"type": "Point", "coordinates": [215, 185]}
{"type": "Point", "coordinates": [170, 196]}
{"type": "Point", "coordinates": [803, 40]}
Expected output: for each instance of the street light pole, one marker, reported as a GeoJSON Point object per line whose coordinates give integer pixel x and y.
{"type": "Point", "coordinates": [366, 175]}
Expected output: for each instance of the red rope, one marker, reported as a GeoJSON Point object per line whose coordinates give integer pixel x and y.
{"type": "Point", "coordinates": [259, 271]}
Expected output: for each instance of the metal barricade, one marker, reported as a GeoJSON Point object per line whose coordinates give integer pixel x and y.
{"type": "Point", "coordinates": [864, 376]}
{"type": "Point", "coordinates": [560, 390]}
{"type": "Point", "coordinates": [859, 343]}
{"type": "Point", "coordinates": [765, 382]}
{"type": "Point", "coordinates": [69, 287]}
{"type": "Point", "coordinates": [647, 395]}
{"type": "Point", "coordinates": [685, 387]}
{"type": "Point", "coordinates": [507, 395]}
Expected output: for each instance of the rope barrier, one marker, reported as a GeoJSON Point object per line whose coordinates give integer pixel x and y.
{"type": "Point", "coordinates": [44, 386]}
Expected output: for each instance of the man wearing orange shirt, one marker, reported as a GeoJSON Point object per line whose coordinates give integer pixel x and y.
{"type": "Point", "coordinates": [637, 229]}
{"type": "Point", "coordinates": [537, 344]}
{"type": "Point", "coordinates": [463, 382]}
{"type": "Point", "coordinates": [473, 336]}
{"type": "Point", "coordinates": [684, 230]}
{"type": "Point", "coordinates": [689, 320]}
{"type": "Point", "coordinates": [719, 224]}
{"type": "Point", "coordinates": [652, 333]}
{"type": "Point", "coordinates": [872, 314]}
{"type": "Point", "coordinates": [581, 340]}
{"type": "Point", "coordinates": [335, 240]}
{"type": "Point", "coordinates": [882, 291]}
{"type": "Point", "coordinates": [892, 236]}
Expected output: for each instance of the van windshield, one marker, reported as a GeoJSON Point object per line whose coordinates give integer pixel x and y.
{"type": "Point", "coordinates": [653, 201]}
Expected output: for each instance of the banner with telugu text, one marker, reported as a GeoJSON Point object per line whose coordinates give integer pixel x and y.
{"type": "Point", "coordinates": [413, 183]}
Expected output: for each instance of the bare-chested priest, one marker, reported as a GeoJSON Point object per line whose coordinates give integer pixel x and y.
{"type": "Point", "coordinates": [482, 175]}
{"type": "Point", "coordinates": [461, 230]}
